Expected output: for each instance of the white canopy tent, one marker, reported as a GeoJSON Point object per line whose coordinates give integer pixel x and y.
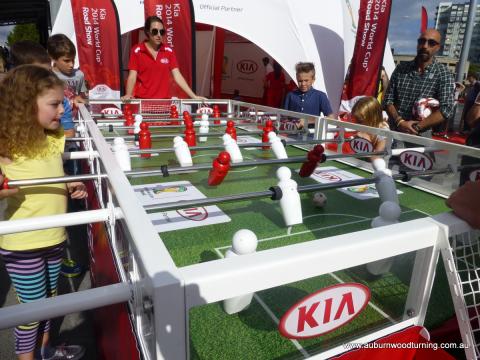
{"type": "Point", "coordinates": [290, 31]}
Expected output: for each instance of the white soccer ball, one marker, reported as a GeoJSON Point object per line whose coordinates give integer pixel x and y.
{"type": "Point", "coordinates": [319, 199]}
{"type": "Point", "coordinates": [424, 107]}
{"type": "Point", "coordinates": [244, 242]}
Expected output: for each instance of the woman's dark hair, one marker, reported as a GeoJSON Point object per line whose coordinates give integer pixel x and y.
{"type": "Point", "coordinates": [148, 22]}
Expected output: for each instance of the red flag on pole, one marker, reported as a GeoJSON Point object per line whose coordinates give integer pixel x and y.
{"type": "Point", "coordinates": [97, 32]}
{"type": "Point", "coordinates": [364, 70]}
{"type": "Point", "coordinates": [424, 22]}
{"type": "Point", "coordinates": [178, 20]}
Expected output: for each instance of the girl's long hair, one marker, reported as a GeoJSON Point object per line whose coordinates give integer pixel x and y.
{"type": "Point", "coordinates": [20, 132]}
{"type": "Point", "coordinates": [368, 111]}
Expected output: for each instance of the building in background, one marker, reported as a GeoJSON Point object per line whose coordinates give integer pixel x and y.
{"type": "Point", "coordinates": [449, 61]}
{"type": "Point", "coordinates": [451, 22]}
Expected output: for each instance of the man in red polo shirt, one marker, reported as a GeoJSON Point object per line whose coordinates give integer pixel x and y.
{"type": "Point", "coordinates": [151, 64]}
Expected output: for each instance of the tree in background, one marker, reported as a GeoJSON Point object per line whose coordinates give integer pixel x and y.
{"type": "Point", "coordinates": [23, 32]}
{"type": "Point", "coordinates": [474, 68]}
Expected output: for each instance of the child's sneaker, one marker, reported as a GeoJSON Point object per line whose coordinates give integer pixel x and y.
{"type": "Point", "coordinates": [70, 268]}
{"type": "Point", "coordinates": [63, 352]}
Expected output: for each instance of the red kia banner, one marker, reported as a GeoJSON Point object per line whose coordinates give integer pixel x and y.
{"type": "Point", "coordinates": [178, 20]}
{"type": "Point", "coordinates": [424, 20]}
{"type": "Point", "coordinates": [364, 71]}
{"type": "Point", "coordinates": [97, 30]}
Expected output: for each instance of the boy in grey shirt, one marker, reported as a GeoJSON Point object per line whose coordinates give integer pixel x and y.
{"type": "Point", "coordinates": [62, 51]}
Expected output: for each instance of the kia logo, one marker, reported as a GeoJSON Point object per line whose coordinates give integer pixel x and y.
{"type": "Point", "coordinates": [324, 311]}
{"type": "Point", "coordinates": [247, 66]}
{"type": "Point", "coordinates": [101, 88]}
{"type": "Point", "coordinates": [475, 175]}
{"type": "Point", "coordinates": [194, 214]}
{"type": "Point", "coordinates": [205, 110]}
{"type": "Point", "coordinates": [416, 160]}
{"type": "Point", "coordinates": [327, 176]}
{"type": "Point", "coordinates": [360, 145]}
{"type": "Point", "coordinates": [111, 111]}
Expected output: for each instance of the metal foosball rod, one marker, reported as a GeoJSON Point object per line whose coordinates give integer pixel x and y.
{"type": "Point", "coordinates": [166, 171]}
{"type": "Point", "coordinates": [274, 192]}
{"type": "Point", "coordinates": [245, 145]}
{"type": "Point", "coordinates": [111, 128]}
{"type": "Point", "coordinates": [102, 122]}
{"type": "Point", "coordinates": [172, 135]}
{"type": "Point", "coordinates": [99, 116]}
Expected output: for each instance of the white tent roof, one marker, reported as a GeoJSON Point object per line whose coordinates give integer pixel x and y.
{"type": "Point", "coordinates": [290, 31]}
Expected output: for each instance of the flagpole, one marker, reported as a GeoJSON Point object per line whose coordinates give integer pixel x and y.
{"type": "Point", "coordinates": [462, 63]}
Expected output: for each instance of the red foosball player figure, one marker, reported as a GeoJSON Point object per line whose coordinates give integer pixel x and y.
{"type": "Point", "coordinates": [145, 139]}
{"type": "Point", "coordinates": [187, 118]}
{"type": "Point", "coordinates": [174, 115]}
{"type": "Point", "coordinates": [190, 136]}
{"type": "Point", "coordinates": [126, 109]}
{"type": "Point", "coordinates": [231, 130]}
{"type": "Point", "coordinates": [220, 168]}
{"type": "Point", "coordinates": [266, 129]}
{"type": "Point", "coordinates": [129, 121]}
{"type": "Point", "coordinates": [314, 156]}
{"type": "Point", "coordinates": [216, 115]}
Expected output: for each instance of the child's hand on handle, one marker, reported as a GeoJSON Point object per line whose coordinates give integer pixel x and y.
{"type": "Point", "coordinates": [465, 203]}
{"type": "Point", "coordinates": [77, 190]}
{"type": "Point", "coordinates": [4, 190]}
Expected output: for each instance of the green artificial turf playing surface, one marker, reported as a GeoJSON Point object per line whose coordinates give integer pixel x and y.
{"type": "Point", "coordinates": [253, 333]}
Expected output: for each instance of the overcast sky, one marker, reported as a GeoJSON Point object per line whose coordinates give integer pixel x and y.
{"type": "Point", "coordinates": [404, 23]}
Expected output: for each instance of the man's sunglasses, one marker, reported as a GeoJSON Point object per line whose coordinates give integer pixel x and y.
{"type": "Point", "coordinates": [430, 42]}
{"type": "Point", "coordinates": [155, 32]}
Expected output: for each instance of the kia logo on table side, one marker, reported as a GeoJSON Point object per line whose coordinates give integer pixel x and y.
{"type": "Point", "coordinates": [101, 88]}
{"type": "Point", "coordinates": [111, 111]}
{"type": "Point", "coordinates": [194, 214]}
{"type": "Point", "coordinates": [247, 66]}
{"type": "Point", "coordinates": [416, 160]}
{"type": "Point", "coordinates": [205, 110]}
{"type": "Point", "coordinates": [327, 176]}
{"type": "Point", "coordinates": [474, 175]}
{"type": "Point", "coordinates": [324, 311]}
{"type": "Point", "coordinates": [360, 145]}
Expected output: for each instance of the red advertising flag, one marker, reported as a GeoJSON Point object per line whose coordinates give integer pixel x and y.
{"type": "Point", "coordinates": [97, 32]}
{"type": "Point", "coordinates": [364, 69]}
{"type": "Point", "coordinates": [424, 21]}
{"type": "Point", "coordinates": [177, 17]}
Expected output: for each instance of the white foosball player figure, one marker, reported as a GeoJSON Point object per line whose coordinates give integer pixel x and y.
{"type": "Point", "coordinates": [389, 213]}
{"type": "Point", "coordinates": [182, 152]}
{"type": "Point", "coordinates": [136, 126]}
{"type": "Point", "coordinates": [120, 150]}
{"type": "Point", "coordinates": [232, 148]}
{"type": "Point", "coordinates": [80, 129]}
{"type": "Point", "coordinates": [290, 202]}
{"type": "Point", "coordinates": [277, 146]}
{"type": "Point", "coordinates": [384, 182]}
{"type": "Point", "coordinates": [203, 128]}
{"type": "Point", "coordinates": [244, 242]}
